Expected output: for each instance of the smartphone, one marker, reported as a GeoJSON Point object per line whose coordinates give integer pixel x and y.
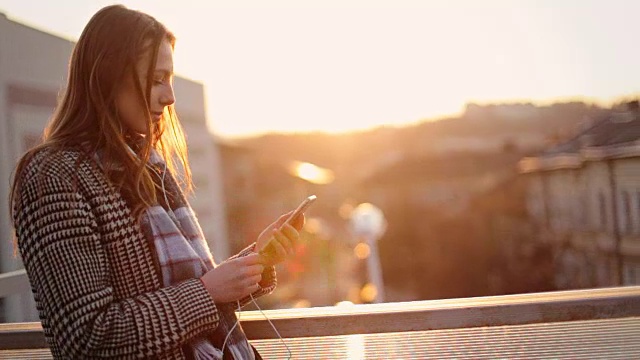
{"type": "Point", "coordinates": [304, 205]}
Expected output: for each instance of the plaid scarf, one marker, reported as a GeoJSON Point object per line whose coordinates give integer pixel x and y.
{"type": "Point", "coordinates": [184, 254]}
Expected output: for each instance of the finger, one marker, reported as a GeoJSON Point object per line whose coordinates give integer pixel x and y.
{"type": "Point", "coordinates": [284, 241]}
{"type": "Point", "coordinates": [289, 239]}
{"type": "Point", "coordinates": [291, 233]}
{"type": "Point", "coordinates": [267, 249]}
{"type": "Point", "coordinates": [252, 280]}
{"type": "Point", "coordinates": [254, 270]}
{"type": "Point", "coordinates": [256, 279]}
{"type": "Point", "coordinates": [279, 251]}
{"type": "Point", "coordinates": [251, 259]}
{"type": "Point", "coordinates": [298, 222]}
{"type": "Point", "coordinates": [264, 258]}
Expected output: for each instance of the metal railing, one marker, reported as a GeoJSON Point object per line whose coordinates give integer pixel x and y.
{"type": "Point", "coordinates": [535, 313]}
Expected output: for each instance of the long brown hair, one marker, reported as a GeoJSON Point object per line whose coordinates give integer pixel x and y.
{"type": "Point", "coordinates": [110, 46]}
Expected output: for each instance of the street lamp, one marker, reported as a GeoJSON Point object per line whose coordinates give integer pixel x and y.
{"type": "Point", "coordinates": [368, 222]}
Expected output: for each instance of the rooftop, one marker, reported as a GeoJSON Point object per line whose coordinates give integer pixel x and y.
{"type": "Point", "coordinates": [615, 135]}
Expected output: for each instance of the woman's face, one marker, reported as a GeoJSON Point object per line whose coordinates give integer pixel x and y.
{"type": "Point", "coordinates": [131, 108]}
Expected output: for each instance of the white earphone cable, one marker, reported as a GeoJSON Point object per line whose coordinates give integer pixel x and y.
{"type": "Point", "coordinates": [224, 344]}
{"type": "Point", "coordinates": [272, 326]}
{"type": "Point", "coordinates": [268, 320]}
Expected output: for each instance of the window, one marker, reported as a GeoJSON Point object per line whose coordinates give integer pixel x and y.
{"type": "Point", "coordinates": [637, 212]}
{"type": "Point", "coordinates": [626, 212]}
{"type": "Point", "coordinates": [603, 211]}
{"type": "Point", "coordinates": [631, 274]}
{"type": "Point", "coordinates": [581, 218]}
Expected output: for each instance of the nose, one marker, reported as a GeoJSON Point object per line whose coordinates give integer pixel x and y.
{"type": "Point", "coordinates": [168, 97]}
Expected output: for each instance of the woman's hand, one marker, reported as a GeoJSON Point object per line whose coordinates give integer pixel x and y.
{"type": "Point", "coordinates": [279, 239]}
{"type": "Point", "coordinates": [234, 279]}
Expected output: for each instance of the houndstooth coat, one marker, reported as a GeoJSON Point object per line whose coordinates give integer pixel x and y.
{"type": "Point", "coordinates": [94, 277]}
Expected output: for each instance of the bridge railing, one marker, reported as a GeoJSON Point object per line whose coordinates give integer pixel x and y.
{"type": "Point", "coordinates": [594, 323]}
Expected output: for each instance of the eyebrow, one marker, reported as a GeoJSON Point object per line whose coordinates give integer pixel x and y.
{"type": "Point", "coordinates": [163, 72]}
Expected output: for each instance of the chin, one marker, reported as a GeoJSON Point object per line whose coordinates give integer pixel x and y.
{"type": "Point", "coordinates": [138, 128]}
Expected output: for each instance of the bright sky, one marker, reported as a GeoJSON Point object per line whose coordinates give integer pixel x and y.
{"type": "Point", "coordinates": [339, 65]}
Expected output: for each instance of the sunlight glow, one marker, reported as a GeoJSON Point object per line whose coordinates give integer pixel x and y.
{"type": "Point", "coordinates": [312, 225]}
{"type": "Point", "coordinates": [277, 67]}
{"type": "Point", "coordinates": [355, 347]}
{"type": "Point", "coordinates": [345, 210]}
{"type": "Point", "coordinates": [368, 292]}
{"type": "Point", "coordinates": [301, 304]}
{"type": "Point", "coordinates": [344, 303]}
{"type": "Point", "coordinates": [362, 251]}
{"type": "Point", "coordinates": [312, 173]}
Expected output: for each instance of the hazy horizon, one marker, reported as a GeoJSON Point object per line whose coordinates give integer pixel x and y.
{"type": "Point", "coordinates": [342, 66]}
{"type": "Point", "coordinates": [595, 102]}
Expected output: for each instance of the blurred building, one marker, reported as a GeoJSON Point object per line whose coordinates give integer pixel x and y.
{"type": "Point", "coordinates": [239, 180]}
{"type": "Point", "coordinates": [429, 205]}
{"type": "Point", "coordinates": [517, 261]}
{"type": "Point", "coordinates": [33, 69]}
{"type": "Point", "coordinates": [584, 197]}
{"type": "Point", "coordinates": [446, 182]}
{"type": "Point", "coordinates": [514, 112]}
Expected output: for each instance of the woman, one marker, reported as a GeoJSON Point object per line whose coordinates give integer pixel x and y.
{"type": "Point", "coordinates": [116, 259]}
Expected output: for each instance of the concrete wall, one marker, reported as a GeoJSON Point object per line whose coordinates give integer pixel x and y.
{"type": "Point", "coordinates": [32, 67]}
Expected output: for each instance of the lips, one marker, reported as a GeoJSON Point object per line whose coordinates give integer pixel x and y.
{"type": "Point", "coordinates": [156, 115]}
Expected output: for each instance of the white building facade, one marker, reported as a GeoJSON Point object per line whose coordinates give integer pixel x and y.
{"type": "Point", "coordinates": [584, 198]}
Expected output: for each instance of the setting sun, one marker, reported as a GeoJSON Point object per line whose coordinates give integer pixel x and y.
{"type": "Point", "coordinates": [311, 172]}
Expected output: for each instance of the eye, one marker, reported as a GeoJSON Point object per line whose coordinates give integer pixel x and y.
{"type": "Point", "coordinates": [161, 78]}
{"type": "Point", "coordinates": [159, 81]}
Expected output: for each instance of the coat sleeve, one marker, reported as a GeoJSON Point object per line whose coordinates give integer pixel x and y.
{"type": "Point", "coordinates": [70, 278]}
